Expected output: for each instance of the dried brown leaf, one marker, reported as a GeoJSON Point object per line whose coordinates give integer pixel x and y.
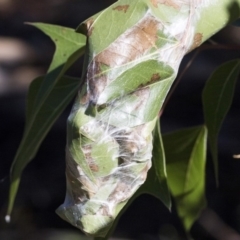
{"type": "Point", "coordinates": [96, 80]}
{"type": "Point", "coordinates": [128, 47]}
{"type": "Point", "coordinates": [132, 44]}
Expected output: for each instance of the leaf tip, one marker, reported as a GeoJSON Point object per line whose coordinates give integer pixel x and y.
{"type": "Point", "coordinates": [7, 218]}
{"type": "Point", "coordinates": [28, 23]}
{"type": "Point", "coordinates": [34, 24]}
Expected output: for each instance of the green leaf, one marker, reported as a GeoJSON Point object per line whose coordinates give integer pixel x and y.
{"type": "Point", "coordinates": [159, 163]}
{"type": "Point", "coordinates": [70, 45]}
{"type": "Point", "coordinates": [47, 98]}
{"type": "Point", "coordinates": [225, 12]}
{"type": "Point", "coordinates": [104, 34]}
{"type": "Point", "coordinates": [142, 74]}
{"type": "Point", "coordinates": [39, 125]}
{"type": "Point", "coordinates": [186, 156]}
{"type": "Point", "coordinates": [217, 98]}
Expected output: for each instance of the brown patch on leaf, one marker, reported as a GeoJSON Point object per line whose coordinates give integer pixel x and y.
{"type": "Point", "coordinates": [197, 40]}
{"type": "Point", "coordinates": [129, 46]}
{"type": "Point", "coordinates": [94, 167]}
{"type": "Point", "coordinates": [87, 151]}
{"type": "Point", "coordinates": [86, 27]}
{"type": "Point", "coordinates": [72, 175]}
{"type": "Point", "coordinates": [89, 23]}
{"type": "Point", "coordinates": [123, 8]}
{"type": "Point", "coordinates": [88, 157]}
{"type": "Point", "coordinates": [96, 80]}
{"type": "Point", "coordinates": [132, 44]}
{"type": "Point", "coordinates": [144, 172]}
{"type": "Point", "coordinates": [104, 210]}
{"type": "Point", "coordinates": [154, 3]}
{"type": "Point", "coordinates": [84, 99]}
{"type": "Point", "coordinates": [79, 184]}
{"type": "Point", "coordinates": [89, 33]}
{"type": "Point", "coordinates": [143, 95]}
{"type": "Point", "coordinates": [121, 192]}
{"type": "Point", "coordinates": [89, 26]}
{"type": "Point", "coordinates": [131, 147]}
{"type": "Point", "coordinates": [77, 196]}
{"type": "Point", "coordinates": [170, 3]}
{"type": "Point", "coordinates": [155, 77]}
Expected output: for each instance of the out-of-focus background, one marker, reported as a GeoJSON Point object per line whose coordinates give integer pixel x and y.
{"type": "Point", "coordinates": [25, 53]}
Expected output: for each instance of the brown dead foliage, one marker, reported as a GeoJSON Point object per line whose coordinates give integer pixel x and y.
{"type": "Point", "coordinates": [197, 40]}
{"type": "Point", "coordinates": [85, 99]}
{"type": "Point", "coordinates": [89, 26]}
{"type": "Point", "coordinates": [155, 77]}
{"type": "Point", "coordinates": [132, 44]}
{"type": "Point", "coordinates": [86, 28]}
{"type": "Point", "coordinates": [143, 95]}
{"type": "Point", "coordinates": [123, 8]}
{"type": "Point", "coordinates": [94, 167]}
{"type": "Point", "coordinates": [170, 3]}
{"type": "Point", "coordinates": [96, 81]}
{"type": "Point", "coordinates": [87, 149]}
{"type": "Point", "coordinates": [128, 47]}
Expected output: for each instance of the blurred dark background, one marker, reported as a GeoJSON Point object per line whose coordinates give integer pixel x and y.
{"type": "Point", "coordinates": [25, 53]}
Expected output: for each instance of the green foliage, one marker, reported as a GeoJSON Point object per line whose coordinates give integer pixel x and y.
{"type": "Point", "coordinates": [38, 123]}
{"type": "Point", "coordinates": [186, 157]}
{"type": "Point", "coordinates": [217, 99]}
{"type": "Point", "coordinates": [159, 164]}
{"type": "Point", "coordinates": [178, 159]}
{"type": "Point", "coordinates": [47, 98]}
{"type": "Point", "coordinates": [69, 47]}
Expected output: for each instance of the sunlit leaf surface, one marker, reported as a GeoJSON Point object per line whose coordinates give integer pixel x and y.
{"type": "Point", "coordinates": [186, 157]}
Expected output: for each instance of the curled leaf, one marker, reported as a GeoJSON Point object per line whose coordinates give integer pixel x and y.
{"type": "Point", "coordinates": [128, 73]}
